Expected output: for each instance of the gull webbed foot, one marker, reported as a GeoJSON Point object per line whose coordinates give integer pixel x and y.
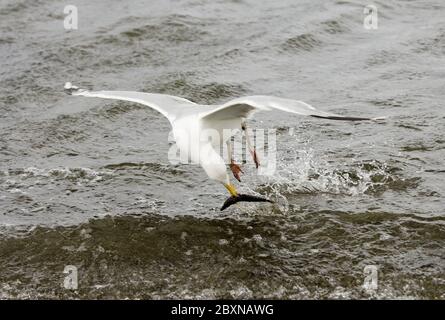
{"type": "Point", "coordinates": [236, 170]}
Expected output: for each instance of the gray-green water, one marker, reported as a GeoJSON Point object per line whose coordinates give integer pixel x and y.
{"type": "Point", "coordinates": [87, 182]}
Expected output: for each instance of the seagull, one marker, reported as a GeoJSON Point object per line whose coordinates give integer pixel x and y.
{"type": "Point", "coordinates": [188, 119]}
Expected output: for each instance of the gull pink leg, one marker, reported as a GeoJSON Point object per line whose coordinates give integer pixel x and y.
{"type": "Point", "coordinates": [236, 170]}
{"type": "Point", "coordinates": [249, 146]}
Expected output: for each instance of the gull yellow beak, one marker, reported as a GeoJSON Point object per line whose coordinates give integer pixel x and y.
{"type": "Point", "coordinates": [231, 189]}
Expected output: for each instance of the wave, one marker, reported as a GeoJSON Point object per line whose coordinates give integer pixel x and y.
{"type": "Point", "coordinates": [155, 167]}
{"type": "Point", "coordinates": [71, 174]}
{"type": "Point", "coordinates": [302, 42]}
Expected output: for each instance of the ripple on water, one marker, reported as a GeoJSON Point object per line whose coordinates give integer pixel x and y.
{"type": "Point", "coordinates": [302, 42]}
{"type": "Point", "coordinates": [205, 93]}
{"type": "Point", "coordinates": [154, 167]}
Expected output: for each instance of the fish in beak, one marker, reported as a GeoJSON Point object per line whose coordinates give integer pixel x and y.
{"type": "Point", "coordinates": [242, 197]}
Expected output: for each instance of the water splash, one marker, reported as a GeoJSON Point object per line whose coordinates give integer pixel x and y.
{"type": "Point", "coordinates": [307, 172]}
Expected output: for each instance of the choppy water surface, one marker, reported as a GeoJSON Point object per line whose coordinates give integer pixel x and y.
{"type": "Point", "coordinates": [87, 182]}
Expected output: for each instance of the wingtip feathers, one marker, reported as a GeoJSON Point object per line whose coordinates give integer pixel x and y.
{"type": "Point", "coordinates": [70, 89]}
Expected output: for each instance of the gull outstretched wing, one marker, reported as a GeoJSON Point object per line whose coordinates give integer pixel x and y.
{"type": "Point", "coordinates": [245, 106]}
{"type": "Point", "coordinates": [169, 106]}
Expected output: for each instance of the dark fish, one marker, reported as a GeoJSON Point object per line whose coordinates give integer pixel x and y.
{"type": "Point", "coordinates": [243, 197]}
